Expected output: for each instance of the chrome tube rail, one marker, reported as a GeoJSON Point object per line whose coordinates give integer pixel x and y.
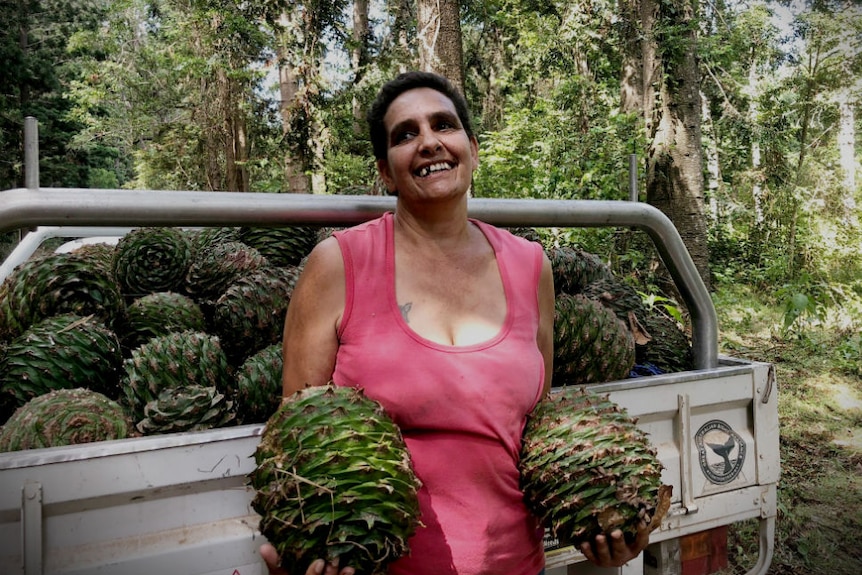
{"type": "Point", "coordinates": [28, 207]}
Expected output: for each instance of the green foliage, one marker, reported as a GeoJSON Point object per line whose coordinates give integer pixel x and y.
{"type": "Point", "coordinates": [540, 154]}
{"type": "Point", "coordinates": [171, 85]}
{"type": "Point", "coordinates": [668, 305]}
{"type": "Point", "coordinates": [850, 354]}
{"type": "Point", "coordinates": [35, 73]}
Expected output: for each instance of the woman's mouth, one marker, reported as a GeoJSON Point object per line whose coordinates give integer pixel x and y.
{"type": "Point", "coordinates": [433, 168]}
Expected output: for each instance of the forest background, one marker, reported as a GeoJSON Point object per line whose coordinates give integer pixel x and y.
{"type": "Point", "coordinates": [741, 118]}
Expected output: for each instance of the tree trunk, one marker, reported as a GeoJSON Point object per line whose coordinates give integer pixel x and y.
{"type": "Point", "coordinates": [711, 154]}
{"type": "Point", "coordinates": [294, 163]}
{"type": "Point", "coordinates": [439, 39]}
{"type": "Point", "coordinates": [231, 178]}
{"type": "Point", "coordinates": [24, 45]}
{"type": "Point", "coordinates": [632, 30]}
{"type": "Point", "coordinates": [757, 189]}
{"type": "Point", "coordinates": [846, 149]}
{"type": "Point", "coordinates": [489, 70]}
{"type": "Point", "coordinates": [297, 160]}
{"type": "Point", "coordinates": [675, 160]}
{"type": "Point", "coordinates": [401, 30]}
{"type": "Point", "coordinates": [359, 60]}
{"type": "Point", "coordinates": [673, 180]}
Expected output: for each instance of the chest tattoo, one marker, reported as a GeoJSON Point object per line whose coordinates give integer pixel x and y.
{"type": "Point", "coordinates": [405, 309]}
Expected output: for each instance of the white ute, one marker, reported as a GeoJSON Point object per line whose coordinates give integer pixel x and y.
{"type": "Point", "coordinates": [178, 504]}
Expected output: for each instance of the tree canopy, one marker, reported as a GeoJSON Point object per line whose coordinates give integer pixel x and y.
{"type": "Point", "coordinates": [747, 109]}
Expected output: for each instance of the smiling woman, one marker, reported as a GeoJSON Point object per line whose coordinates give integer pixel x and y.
{"type": "Point", "coordinates": [448, 323]}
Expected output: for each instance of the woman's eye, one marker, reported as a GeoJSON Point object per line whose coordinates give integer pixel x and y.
{"type": "Point", "coordinates": [402, 137]}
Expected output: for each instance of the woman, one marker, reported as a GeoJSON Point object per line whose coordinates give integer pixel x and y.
{"type": "Point", "coordinates": [448, 322]}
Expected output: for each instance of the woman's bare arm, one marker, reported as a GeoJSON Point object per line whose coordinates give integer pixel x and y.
{"type": "Point", "coordinates": [545, 336]}
{"type": "Point", "coordinates": [310, 339]}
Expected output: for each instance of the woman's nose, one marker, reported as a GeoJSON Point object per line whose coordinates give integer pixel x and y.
{"type": "Point", "coordinates": [429, 142]}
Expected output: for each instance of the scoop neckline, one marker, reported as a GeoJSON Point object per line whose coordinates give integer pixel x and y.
{"type": "Point", "coordinates": [399, 319]}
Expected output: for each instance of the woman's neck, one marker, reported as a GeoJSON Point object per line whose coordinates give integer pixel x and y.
{"type": "Point", "coordinates": [444, 224]}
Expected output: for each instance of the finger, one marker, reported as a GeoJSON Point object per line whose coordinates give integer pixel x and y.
{"type": "Point", "coordinates": [331, 567]}
{"type": "Point", "coordinates": [602, 550]}
{"type": "Point", "coordinates": [316, 568]}
{"type": "Point", "coordinates": [587, 550]}
{"type": "Point", "coordinates": [270, 556]}
{"type": "Point", "coordinates": [619, 550]}
{"type": "Point", "coordinates": [641, 539]}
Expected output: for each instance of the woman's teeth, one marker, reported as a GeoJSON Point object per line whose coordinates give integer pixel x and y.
{"type": "Point", "coordinates": [428, 170]}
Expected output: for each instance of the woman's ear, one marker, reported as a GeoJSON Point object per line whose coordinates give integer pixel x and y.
{"type": "Point", "coordinates": [385, 175]}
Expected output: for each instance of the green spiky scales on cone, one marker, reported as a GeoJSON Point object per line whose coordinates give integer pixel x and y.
{"type": "Point", "coordinates": [172, 361]}
{"type": "Point", "coordinates": [217, 266]}
{"type": "Point", "coordinates": [64, 417]}
{"type": "Point", "coordinates": [186, 408]}
{"type": "Point", "coordinates": [158, 314]}
{"type": "Point", "coordinates": [281, 246]}
{"type": "Point", "coordinates": [149, 260]}
{"type": "Point", "coordinates": [258, 385]}
{"type": "Point", "coordinates": [619, 297]}
{"type": "Point", "coordinates": [99, 253]}
{"type": "Point", "coordinates": [55, 284]}
{"type": "Point", "coordinates": [586, 468]}
{"type": "Point", "coordinates": [64, 351]}
{"type": "Point", "coordinates": [574, 268]}
{"type": "Point", "coordinates": [591, 345]}
{"type": "Point", "coordinates": [667, 347]}
{"type": "Point", "coordinates": [202, 238]}
{"type": "Point", "coordinates": [250, 314]}
{"type": "Point", "coordinates": [334, 479]}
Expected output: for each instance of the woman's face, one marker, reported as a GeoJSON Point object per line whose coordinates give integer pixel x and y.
{"type": "Point", "coordinates": [429, 154]}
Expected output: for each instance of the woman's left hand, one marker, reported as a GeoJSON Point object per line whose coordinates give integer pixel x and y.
{"type": "Point", "coordinates": [612, 550]}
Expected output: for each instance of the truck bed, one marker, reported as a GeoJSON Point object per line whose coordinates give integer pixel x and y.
{"type": "Point", "coordinates": [180, 504]}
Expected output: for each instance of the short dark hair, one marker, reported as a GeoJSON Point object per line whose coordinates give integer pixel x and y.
{"type": "Point", "coordinates": [397, 86]}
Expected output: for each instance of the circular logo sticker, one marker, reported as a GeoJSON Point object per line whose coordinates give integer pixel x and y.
{"type": "Point", "coordinates": [721, 451]}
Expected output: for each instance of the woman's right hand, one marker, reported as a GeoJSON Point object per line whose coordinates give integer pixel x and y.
{"type": "Point", "coordinates": [317, 567]}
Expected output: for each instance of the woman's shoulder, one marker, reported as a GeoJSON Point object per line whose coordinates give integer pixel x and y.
{"type": "Point", "coordinates": [324, 260]}
{"type": "Point", "coordinates": [378, 223]}
{"type": "Point", "coordinates": [505, 236]}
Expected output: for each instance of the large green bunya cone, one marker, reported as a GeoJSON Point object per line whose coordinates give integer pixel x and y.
{"type": "Point", "coordinates": [334, 479]}
{"type": "Point", "coordinates": [574, 268]}
{"type": "Point", "coordinates": [258, 385]}
{"type": "Point", "coordinates": [217, 266]}
{"type": "Point", "coordinates": [149, 260]}
{"type": "Point", "coordinates": [99, 253]}
{"type": "Point", "coordinates": [250, 314]}
{"type": "Point", "coordinates": [586, 469]}
{"type": "Point", "coordinates": [186, 408]}
{"type": "Point", "coordinates": [64, 417]}
{"type": "Point", "coordinates": [158, 314]}
{"type": "Point", "coordinates": [667, 347]}
{"type": "Point", "coordinates": [54, 284]}
{"type": "Point", "coordinates": [171, 361]}
{"type": "Point", "coordinates": [61, 352]}
{"type": "Point", "coordinates": [619, 297]}
{"type": "Point", "coordinates": [591, 345]}
{"type": "Point", "coordinates": [281, 246]}
{"type": "Point", "coordinates": [202, 238]}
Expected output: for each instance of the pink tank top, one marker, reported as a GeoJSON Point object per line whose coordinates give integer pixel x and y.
{"type": "Point", "coordinates": [461, 409]}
